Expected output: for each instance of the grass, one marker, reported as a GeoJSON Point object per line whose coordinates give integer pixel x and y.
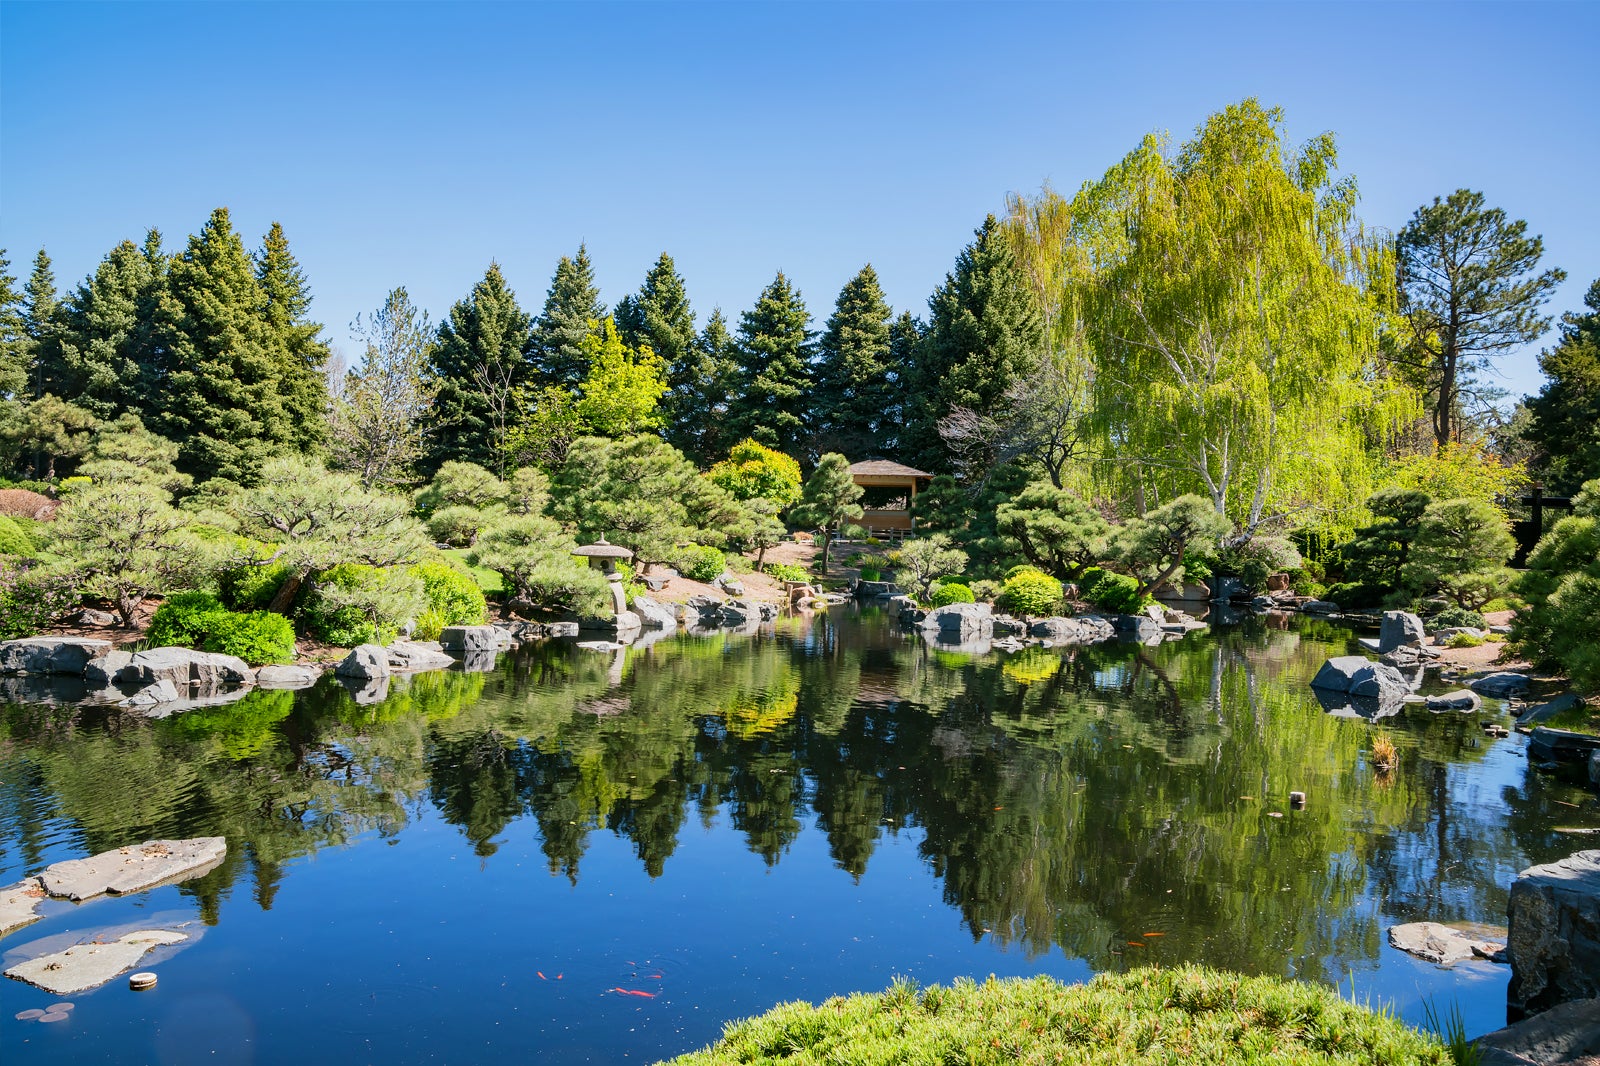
{"type": "Point", "coordinates": [1452, 1030]}
{"type": "Point", "coordinates": [488, 580]}
{"type": "Point", "coordinates": [1580, 719]}
{"type": "Point", "coordinates": [1384, 754]}
{"type": "Point", "coordinates": [1179, 1016]}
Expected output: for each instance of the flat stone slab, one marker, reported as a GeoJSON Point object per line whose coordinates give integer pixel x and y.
{"type": "Point", "coordinates": [1459, 700]}
{"type": "Point", "coordinates": [1561, 1034]}
{"type": "Point", "coordinates": [18, 903]}
{"type": "Point", "coordinates": [87, 966]}
{"type": "Point", "coordinates": [287, 677]}
{"type": "Point", "coordinates": [1441, 944]}
{"type": "Point", "coordinates": [50, 655]}
{"type": "Point", "coordinates": [134, 868]}
{"type": "Point", "coordinates": [1504, 683]}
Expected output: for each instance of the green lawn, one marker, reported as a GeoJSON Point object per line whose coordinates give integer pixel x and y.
{"type": "Point", "coordinates": [488, 580]}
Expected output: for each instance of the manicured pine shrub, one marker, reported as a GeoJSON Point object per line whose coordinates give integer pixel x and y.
{"type": "Point", "coordinates": [951, 592]}
{"type": "Point", "coordinates": [700, 563]}
{"type": "Point", "coordinates": [1030, 592]}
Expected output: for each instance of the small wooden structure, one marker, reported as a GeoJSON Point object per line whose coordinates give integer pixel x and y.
{"type": "Point", "coordinates": [889, 490]}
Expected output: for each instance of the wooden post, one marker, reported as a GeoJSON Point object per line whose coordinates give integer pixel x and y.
{"type": "Point", "coordinates": [1536, 511]}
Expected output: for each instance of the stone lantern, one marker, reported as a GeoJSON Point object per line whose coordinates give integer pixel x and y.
{"type": "Point", "coordinates": [603, 556]}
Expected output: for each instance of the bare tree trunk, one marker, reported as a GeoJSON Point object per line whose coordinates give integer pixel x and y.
{"type": "Point", "coordinates": [283, 599]}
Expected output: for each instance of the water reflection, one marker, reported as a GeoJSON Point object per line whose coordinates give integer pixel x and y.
{"type": "Point", "coordinates": [1123, 803]}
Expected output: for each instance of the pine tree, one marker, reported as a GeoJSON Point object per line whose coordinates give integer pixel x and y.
{"type": "Point", "coordinates": [774, 377]}
{"type": "Point", "coordinates": [105, 345]}
{"type": "Point", "coordinates": [1566, 413]}
{"type": "Point", "coordinates": [376, 424]}
{"type": "Point", "coordinates": [219, 377]}
{"type": "Point", "coordinates": [479, 361]}
{"type": "Point", "coordinates": [984, 332]}
{"type": "Point", "coordinates": [304, 373]}
{"type": "Point", "coordinates": [41, 320]}
{"type": "Point", "coordinates": [572, 310]}
{"type": "Point", "coordinates": [698, 400]}
{"type": "Point", "coordinates": [13, 338]}
{"type": "Point", "coordinates": [854, 390]}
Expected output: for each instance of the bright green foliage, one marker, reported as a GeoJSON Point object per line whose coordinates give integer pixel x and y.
{"type": "Point", "coordinates": [478, 363]}
{"type": "Point", "coordinates": [1562, 588]}
{"type": "Point", "coordinates": [460, 484]}
{"type": "Point", "coordinates": [527, 490]}
{"type": "Point", "coordinates": [700, 393]}
{"type": "Point", "coordinates": [1056, 530]}
{"type": "Point", "coordinates": [1458, 472]}
{"type": "Point", "coordinates": [950, 592]}
{"type": "Point", "coordinates": [534, 557]}
{"type": "Point", "coordinates": [1460, 550]}
{"type": "Point", "coordinates": [787, 572]}
{"type": "Point", "coordinates": [772, 391]}
{"type": "Point", "coordinates": [354, 604]}
{"type": "Point", "coordinates": [829, 498]}
{"type": "Point", "coordinates": [14, 343]}
{"type": "Point", "coordinates": [984, 332]}
{"type": "Point", "coordinates": [108, 342]}
{"type": "Point", "coordinates": [183, 619]}
{"type": "Point", "coordinates": [321, 518]}
{"type": "Point", "coordinates": [126, 542]}
{"type": "Point", "coordinates": [1031, 593]}
{"type": "Point", "coordinates": [14, 540]}
{"type": "Point", "coordinates": [757, 528]}
{"type": "Point", "coordinates": [1566, 414]}
{"type": "Point", "coordinates": [622, 386]}
{"type": "Point", "coordinates": [571, 310]}
{"type": "Point", "coordinates": [1456, 616]}
{"type": "Point", "coordinates": [303, 381]}
{"type": "Point", "coordinates": [1184, 1014]}
{"type": "Point", "coordinates": [31, 597]}
{"type": "Point", "coordinates": [376, 422]}
{"type": "Point", "coordinates": [1469, 290]}
{"type": "Point", "coordinates": [1117, 593]}
{"type": "Point", "coordinates": [244, 585]}
{"type": "Point", "coordinates": [45, 431]}
{"type": "Point", "coordinates": [1153, 547]}
{"type": "Point", "coordinates": [454, 598]}
{"type": "Point", "coordinates": [199, 620]}
{"type": "Point", "coordinates": [920, 562]}
{"type": "Point", "coordinates": [853, 401]}
{"type": "Point", "coordinates": [220, 383]}
{"type": "Point", "coordinates": [699, 562]}
{"type": "Point", "coordinates": [124, 450]}
{"type": "Point", "coordinates": [753, 470]}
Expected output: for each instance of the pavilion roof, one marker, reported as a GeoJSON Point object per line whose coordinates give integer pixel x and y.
{"type": "Point", "coordinates": [885, 468]}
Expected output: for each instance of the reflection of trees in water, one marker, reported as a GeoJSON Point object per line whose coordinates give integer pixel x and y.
{"type": "Point", "coordinates": [1077, 801]}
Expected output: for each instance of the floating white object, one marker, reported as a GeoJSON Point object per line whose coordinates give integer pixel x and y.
{"type": "Point", "coordinates": [141, 981]}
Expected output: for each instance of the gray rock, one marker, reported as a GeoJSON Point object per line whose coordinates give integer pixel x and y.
{"type": "Point", "coordinates": [1459, 700]}
{"type": "Point", "coordinates": [1443, 636]}
{"type": "Point", "coordinates": [368, 662]}
{"type": "Point", "coordinates": [460, 639]}
{"type": "Point", "coordinates": [86, 966]}
{"type": "Point", "coordinates": [19, 904]}
{"type": "Point", "coordinates": [162, 691]}
{"type": "Point", "coordinates": [1137, 628]}
{"type": "Point", "coordinates": [1264, 603]}
{"type": "Point", "coordinates": [186, 669]}
{"type": "Point", "coordinates": [871, 590]}
{"type": "Point", "coordinates": [1564, 1034]}
{"type": "Point", "coordinates": [479, 662]}
{"type": "Point", "coordinates": [1225, 588]}
{"type": "Point", "coordinates": [1554, 938]}
{"type": "Point", "coordinates": [1321, 607]}
{"type": "Point", "coordinates": [961, 622]}
{"type": "Point", "coordinates": [601, 645]}
{"type": "Point", "coordinates": [1006, 626]}
{"type": "Point", "coordinates": [1441, 944]}
{"type": "Point", "coordinates": [134, 868]}
{"type": "Point", "coordinates": [1089, 629]}
{"type": "Point", "coordinates": [286, 676]}
{"type": "Point", "coordinates": [653, 615]}
{"type": "Point", "coordinates": [1409, 656]}
{"type": "Point", "coordinates": [1360, 676]}
{"type": "Point", "coordinates": [411, 656]}
{"type": "Point", "coordinates": [1564, 702]}
{"type": "Point", "coordinates": [1399, 629]}
{"type": "Point", "coordinates": [1561, 745]}
{"type": "Point", "coordinates": [561, 629]}
{"type": "Point", "coordinates": [91, 617]}
{"type": "Point", "coordinates": [1189, 592]}
{"type": "Point", "coordinates": [104, 669]}
{"type": "Point", "coordinates": [50, 655]}
{"type": "Point", "coordinates": [366, 691]}
{"type": "Point", "coordinates": [1504, 683]}
{"type": "Point", "coordinates": [1594, 768]}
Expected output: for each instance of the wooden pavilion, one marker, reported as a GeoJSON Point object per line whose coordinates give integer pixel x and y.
{"type": "Point", "coordinates": [889, 489]}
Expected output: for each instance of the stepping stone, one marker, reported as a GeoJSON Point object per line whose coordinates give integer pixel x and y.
{"type": "Point", "coordinates": [87, 966]}
{"type": "Point", "coordinates": [134, 868]}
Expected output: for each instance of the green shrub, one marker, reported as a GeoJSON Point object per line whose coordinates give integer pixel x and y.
{"type": "Point", "coordinates": [1353, 594]}
{"type": "Point", "coordinates": [1024, 568]}
{"type": "Point", "coordinates": [1464, 640]}
{"type": "Point", "coordinates": [852, 532]}
{"type": "Point", "coordinates": [1030, 593]}
{"type": "Point", "coordinates": [698, 562]}
{"type": "Point", "coordinates": [199, 620]}
{"type": "Point", "coordinates": [869, 573]}
{"type": "Point", "coordinates": [453, 595]}
{"type": "Point", "coordinates": [184, 620]}
{"type": "Point", "coordinates": [787, 572]}
{"type": "Point", "coordinates": [250, 586]}
{"type": "Point", "coordinates": [14, 540]}
{"type": "Point", "coordinates": [1195, 567]}
{"type": "Point", "coordinates": [1452, 617]}
{"type": "Point", "coordinates": [31, 597]}
{"type": "Point", "coordinates": [1117, 593]}
{"type": "Point", "coordinates": [951, 592]}
{"type": "Point", "coordinates": [354, 604]}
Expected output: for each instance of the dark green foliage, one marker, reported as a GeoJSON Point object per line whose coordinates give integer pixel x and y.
{"type": "Point", "coordinates": [1562, 588]}
{"type": "Point", "coordinates": [218, 385]}
{"type": "Point", "coordinates": [772, 391]}
{"type": "Point", "coordinates": [1254, 560]}
{"type": "Point", "coordinates": [660, 318]}
{"type": "Point", "coordinates": [183, 620]}
{"type": "Point", "coordinates": [478, 361]}
{"type": "Point", "coordinates": [1565, 426]}
{"type": "Point", "coordinates": [14, 540]}
{"type": "Point", "coordinates": [1057, 531]}
{"type": "Point", "coordinates": [1460, 551]}
{"type": "Point", "coordinates": [14, 346]}
{"type": "Point", "coordinates": [199, 620]}
{"type": "Point", "coordinates": [829, 498]}
{"type": "Point", "coordinates": [700, 563]}
{"type": "Point", "coordinates": [943, 507]}
{"type": "Point", "coordinates": [108, 339]}
{"type": "Point", "coordinates": [950, 592]}
{"type": "Point", "coordinates": [984, 332]}
{"type": "Point", "coordinates": [1375, 560]}
{"type": "Point", "coordinates": [303, 374]}
{"type": "Point", "coordinates": [572, 310]}
{"type": "Point", "coordinates": [250, 586]}
{"type": "Point", "coordinates": [1153, 546]}
{"type": "Point", "coordinates": [42, 324]}
{"type": "Point", "coordinates": [1118, 593]}
{"type": "Point", "coordinates": [700, 394]}
{"type": "Point", "coordinates": [1452, 617]}
{"type": "Point", "coordinates": [31, 597]}
{"type": "Point", "coordinates": [853, 401]}
{"type": "Point", "coordinates": [1030, 592]}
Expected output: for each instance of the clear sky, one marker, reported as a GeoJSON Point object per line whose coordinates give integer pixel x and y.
{"type": "Point", "coordinates": [410, 144]}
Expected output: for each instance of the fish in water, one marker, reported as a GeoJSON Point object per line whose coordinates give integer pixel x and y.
{"type": "Point", "coordinates": [635, 992]}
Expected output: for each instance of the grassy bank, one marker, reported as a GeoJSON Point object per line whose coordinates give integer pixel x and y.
{"type": "Point", "coordinates": [1187, 1015]}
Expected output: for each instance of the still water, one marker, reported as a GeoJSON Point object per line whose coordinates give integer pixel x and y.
{"type": "Point", "coordinates": [583, 857]}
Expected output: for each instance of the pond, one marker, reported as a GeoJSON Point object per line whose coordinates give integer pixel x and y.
{"type": "Point", "coordinates": [587, 857]}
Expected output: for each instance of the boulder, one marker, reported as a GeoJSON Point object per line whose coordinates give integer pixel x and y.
{"type": "Point", "coordinates": [1500, 684]}
{"type": "Point", "coordinates": [368, 662]}
{"type": "Point", "coordinates": [1138, 628]}
{"type": "Point", "coordinates": [1264, 603]}
{"type": "Point", "coordinates": [186, 668]}
{"type": "Point", "coordinates": [366, 691]}
{"type": "Point", "coordinates": [85, 966]}
{"type": "Point", "coordinates": [1409, 656]}
{"type": "Point", "coordinates": [1561, 745]}
{"type": "Point", "coordinates": [961, 622]}
{"type": "Point", "coordinates": [103, 669]}
{"type": "Point", "coordinates": [1459, 700]}
{"type": "Point", "coordinates": [1006, 626]}
{"type": "Point", "coordinates": [561, 629]}
{"type": "Point", "coordinates": [1564, 702]}
{"type": "Point", "coordinates": [133, 868]}
{"type": "Point", "coordinates": [50, 655]}
{"type": "Point", "coordinates": [462, 639]}
{"type": "Point", "coordinates": [287, 676]}
{"type": "Point", "coordinates": [1360, 676]}
{"type": "Point", "coordinates": [1554, 936]}
{"type": "Point", "coordinates": [1569, 1033]}
{"type": "Point", "coordinates": [410, 656]}
{"type": "Point", "coordinates": [1189, 592]}
{"type": "Point", "coordinates": [1320, 607]}
{"type": "Point", "coordinates": [1445, 635]}
{"type": "Point", "coordinates": [1225, 588]}
{"type": "Point", "coordinates": [91, 617]}
{"type": "Point", "coordinates": [1399, 628]}
{"type": "Point", "coordinates": [871, 590]}
{"type": "Point", "coordinates": [1441, 944]}
{"type": "Point", "coordinates": [1090, 629]}
{"type": "Point", "coordinates": [653, 615]}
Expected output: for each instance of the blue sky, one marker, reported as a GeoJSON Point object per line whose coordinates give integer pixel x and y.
{"type": "Point", "coordinates": [410, 144]}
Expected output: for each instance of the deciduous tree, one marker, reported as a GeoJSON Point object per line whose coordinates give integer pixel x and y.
{"type": "Point", "coordinates": [753, 470]}
{"type": "Point", "coordinates": [376, 419]}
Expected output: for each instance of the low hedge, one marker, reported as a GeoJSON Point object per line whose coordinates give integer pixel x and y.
{"type": "Point", "coordinates": [1182, 1015]}
{"type": "Point", "coordinates": [199, 620]}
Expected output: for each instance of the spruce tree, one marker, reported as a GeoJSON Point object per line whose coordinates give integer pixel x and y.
{"type": "Point", "coordinates": [479, 360]}
{"type": "Point", "coordinates": [773, 383]}
{"type": "Point", "coordinates": [1566, 413]}
{"type": "Point", "coordinates": [905, 333]}
{"type": "Point", "coordinates": [854, 390]}
{"type": "Point", "coordinates": [105, 345]}
{"type": "Point", "coordinates": [219, 376]}
{"type": "Point", "coordinates": [697, 401]}
{"type": "Point", "coordinates": [984, 332]}
{"type": "Point", "coordinates": [304, 372]}
{"type": "Point", "coordinates": [659, 316]}
{"type": "Point", "coordinates": [572, 311]}
{"type": "Point", "coordinates": [41, 320]}
{"type": "Point", "coordinates": [13, 338]}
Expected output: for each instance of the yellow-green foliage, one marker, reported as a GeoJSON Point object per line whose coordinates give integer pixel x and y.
{"type": "Point", "coordinates": [753, 471]}
{"type": "Point", "coordinates": [1183, 1015]}
{"type": "Point", "coordinates": [14, 540]}
{"type": "Point", "coordinates": [1464, 640]}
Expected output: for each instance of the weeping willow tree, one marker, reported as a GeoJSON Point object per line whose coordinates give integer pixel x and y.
{"type": "Point", "coordinates": [1231, 305]}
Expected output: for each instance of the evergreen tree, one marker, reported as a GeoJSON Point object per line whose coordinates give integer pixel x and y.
{"type": "Point", "coordinates": [855, 389]}
{"type": "Point", "coordinates": [41, 320]}
{"type": "Point", "coordinates": [905, 333]}
{"type": "Point", "coordinates": [1566, 413]}
{"type": "Point", "coordinates": [304, 373]}
{"type": "Point", "coordinates": [13, 338]}
{"type": "Point", "coordinates": [478, 361]}
{"type": "Point", "coordinates": [984, 332]}
{"type": "Point", "coordinates": [830, 498]}
{"type": "Point", "coordinates": [107, 332]}
{"type": "Point", "coordinates": [699, 398]}
{"type": "Point", "coordinates": [773, 382]}
{"type": "Point", "coordinates": [659, 316]}
{"type": "Point", "coordinates": [572, 310]}
{"type": "Point", "coordinates": [219, 377]}
{"type": "Point", "coordinates": [376, 424]}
